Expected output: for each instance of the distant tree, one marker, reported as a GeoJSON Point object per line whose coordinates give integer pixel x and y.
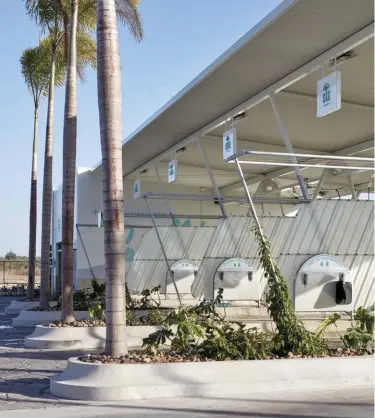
{"type": "Point", "coordinates": [10, 255]}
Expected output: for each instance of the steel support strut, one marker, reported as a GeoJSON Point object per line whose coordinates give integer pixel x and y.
{"type": "Point", "coordinates": [253, 212]}
{"type": "Point", "coordinates": [212, 179]}
{"type": "Point", "coordinates": [160, 181]}
{"type": "Point", "coordinates": [163, 250]}
{"type": "Point", "coordinates": [289, 148]}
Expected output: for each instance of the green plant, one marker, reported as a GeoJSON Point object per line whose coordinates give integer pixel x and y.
{"type": "Point", "coordinates": [360, 336]}
{"type": "Point", "coordinates": [186, 326]}
{"type": "Point", "coordinates": [155, 317]}
{"type": "Point", "coordinates": [235, 342]}
{"type": "Point", "coordinates": [291, 335]}
{"type": "Point", "coordinates": [97, 311]}
{"type": "Point", "coordinates": [147, 300]}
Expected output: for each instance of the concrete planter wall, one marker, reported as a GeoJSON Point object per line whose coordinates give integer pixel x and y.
{"type": "Point", "coordinates": [115, 382]}
{"type": "Point", "coordinates": [17, 306]}
{"type": "Point", "coordinates": [33, 318]}
{"type": "Point", "coordinates": [82, 337]}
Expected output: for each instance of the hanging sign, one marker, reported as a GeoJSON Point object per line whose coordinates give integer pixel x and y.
{"type": "Point", "coordinates": [172, 171]}
{"type": "Point", "coordinates": [137, 189]}
{"type": "Point", "coordinates": [329, 94]}
{"type": "Point", "coordinates": [100, 220]}
{"type": "Point", "coordinates": [229, 143]}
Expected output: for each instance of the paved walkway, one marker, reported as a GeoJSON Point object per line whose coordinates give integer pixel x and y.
{"type": "Point", "coordinates": [24, 383]}
{"type": "Point", "coordinates": [24, 373]}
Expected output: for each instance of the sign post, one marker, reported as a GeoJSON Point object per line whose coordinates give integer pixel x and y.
{"type": "Point", "coordinates": [229, 143]}
{"type": "Point", "coordinates": [329, 94]}
{"type": "Point", "coordinates": [137, 189]}
{"type": "Point", "coordinates": [172, 171]}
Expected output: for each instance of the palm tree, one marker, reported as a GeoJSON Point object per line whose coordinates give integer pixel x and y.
{"type": "Point", "coordinates": [69, 171]}
{"type": "Point", "coordinates": [109, 102]}
{"type": "Point", "coordinates": [50, 17]}
{"type": "Point", "coordinates": [82, 18]}
{"type": "Point", "coordinates": [35, 69]}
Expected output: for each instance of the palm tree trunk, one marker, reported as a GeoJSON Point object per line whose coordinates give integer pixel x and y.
{"type": "Point", "coordinates": [69, 172]}
{"type": "Point", "coordinates": [47, 192]}
{"type": "Point", "coordinates": [33, 213]}
{"type": "Point", "coordinates": [109, 100]}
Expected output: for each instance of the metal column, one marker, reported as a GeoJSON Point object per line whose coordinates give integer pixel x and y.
{"type": "Point", "coordinates": [163, 250]}
{"type": "Point", "coordinates": [211, 176]}
{"type": "Point", "coordinates": [289, 148]}
{"type": "Point", "coordinates": [254, 213]}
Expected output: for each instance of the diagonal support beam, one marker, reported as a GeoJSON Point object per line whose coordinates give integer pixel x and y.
{"type": "Point", "coordinates": [212, 179]}
{"type": "Point", "coordinates": [289, 147]}
{"type": "Point", "coordinates": [347, 151]}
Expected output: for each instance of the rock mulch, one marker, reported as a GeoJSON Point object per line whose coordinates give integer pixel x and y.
{"type": "Point", "coordinates": [172, 357]}
{"type": "Point", "coordinates": [142, 357]}
{"type": "Point", "coordinates": [83, 323]}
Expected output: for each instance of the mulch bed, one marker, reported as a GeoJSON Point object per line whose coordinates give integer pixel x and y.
{"type": "Point", "coordinates": [82, 323]}
{"type": "Point", "coordinates": [172, 357]}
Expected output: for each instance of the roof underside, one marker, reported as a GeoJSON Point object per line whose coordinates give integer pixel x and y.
{"type": "Point", "coordinates": [293, 35]}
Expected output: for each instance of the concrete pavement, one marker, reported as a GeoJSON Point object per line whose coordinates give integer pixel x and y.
{"type": "Point", "coordinates": [347, 404]}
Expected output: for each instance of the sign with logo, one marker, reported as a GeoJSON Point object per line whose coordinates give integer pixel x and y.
{"type": "Point", "coordinates": [329, 94]}
{"type": "Point", "coordinates": [323, 263]}
{"type": "Point", "coordinates": [229, 143]}
{"type": "Point", "coordinates": [137, 189]}
{"type": "Point", "coordinates": [172, 171]}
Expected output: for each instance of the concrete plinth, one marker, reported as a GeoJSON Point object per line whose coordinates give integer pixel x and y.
{"type": "Point", "coordinates": [33, 318]}
{"type": "Point", "coordinates": [115, 382]}
{"type": "Point", "coordinates": [82, 337]}
{"type": "Point", "coordinates": [17, 306]}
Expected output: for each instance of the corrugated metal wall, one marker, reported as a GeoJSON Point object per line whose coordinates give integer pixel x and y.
{"type": "Point", "coordinates": [344, 229]}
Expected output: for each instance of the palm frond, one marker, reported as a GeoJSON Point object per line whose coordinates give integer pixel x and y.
{"type": "Point", "coordinates": [46, 13]}
{"type": "Point", "coordinates": [86, 53]}
{"type": "Point", "coordinates": [35, 68]}
{"type": "Point", "coordinates": [127, 12]}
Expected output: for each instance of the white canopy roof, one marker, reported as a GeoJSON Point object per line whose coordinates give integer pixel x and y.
{"type": "Point", "coordinates": [280, 54]}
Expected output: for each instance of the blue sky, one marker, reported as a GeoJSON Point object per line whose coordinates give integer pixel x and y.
{"type": "Point", "coordinates": [182, 37]}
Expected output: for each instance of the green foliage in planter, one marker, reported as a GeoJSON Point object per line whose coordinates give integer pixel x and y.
{"type": "Point", "coordinates": [235, 342]}
{"type": "Point", "coordinates": [360, 336]}
{"type": "Point", "coordinates": [155, 317]}
{"type": "Point", "coordinates": [150, 299]}
{"type": "Point", "coordinates": [97, 311]}
{"type": "Point", "coordinates": [291, 334]}
{"type": "Point", "coordinates": [202, 329]}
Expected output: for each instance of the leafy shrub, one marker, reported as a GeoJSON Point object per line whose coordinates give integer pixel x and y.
{"type": "Point", "coordinates": [155, 317]}
{"type": "Point", "coordinates": [202, 329]}
{"type": "Point", "coordinates": [97, 311]}
{"type": "Point", "coordinates": [235, 342]}
{"type": "Point", "coordinates": [360, 336]}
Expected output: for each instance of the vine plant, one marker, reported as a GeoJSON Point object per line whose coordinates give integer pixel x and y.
{"type": "Point", "coordinates": [291, 334]}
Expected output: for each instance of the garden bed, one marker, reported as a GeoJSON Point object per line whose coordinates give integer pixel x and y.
{"type": "Point", "coordinates": [16, 306]}
{"type": "Point", "coordinates": [115, 382]}
{"type": "Point", "coordinates": [84, 336]}
{"type": "Point", "coordinates": [33, 318]}
{"type": "Point", "coordinates": [173, 357]}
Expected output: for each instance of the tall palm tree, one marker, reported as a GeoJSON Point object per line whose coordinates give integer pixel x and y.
{"type": "Point", "coordinates": [35, 69]}
{"type": "Point", "coordinates": [50, 17]}
{"type": "Point", "coordinates": [87, 11]}
{"type": "Point", "coordinates": [109, 101]}
{"type": "Point", "coordinates": [69, 171]}
{"type": "Point", "coordinates": [83, 19]}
